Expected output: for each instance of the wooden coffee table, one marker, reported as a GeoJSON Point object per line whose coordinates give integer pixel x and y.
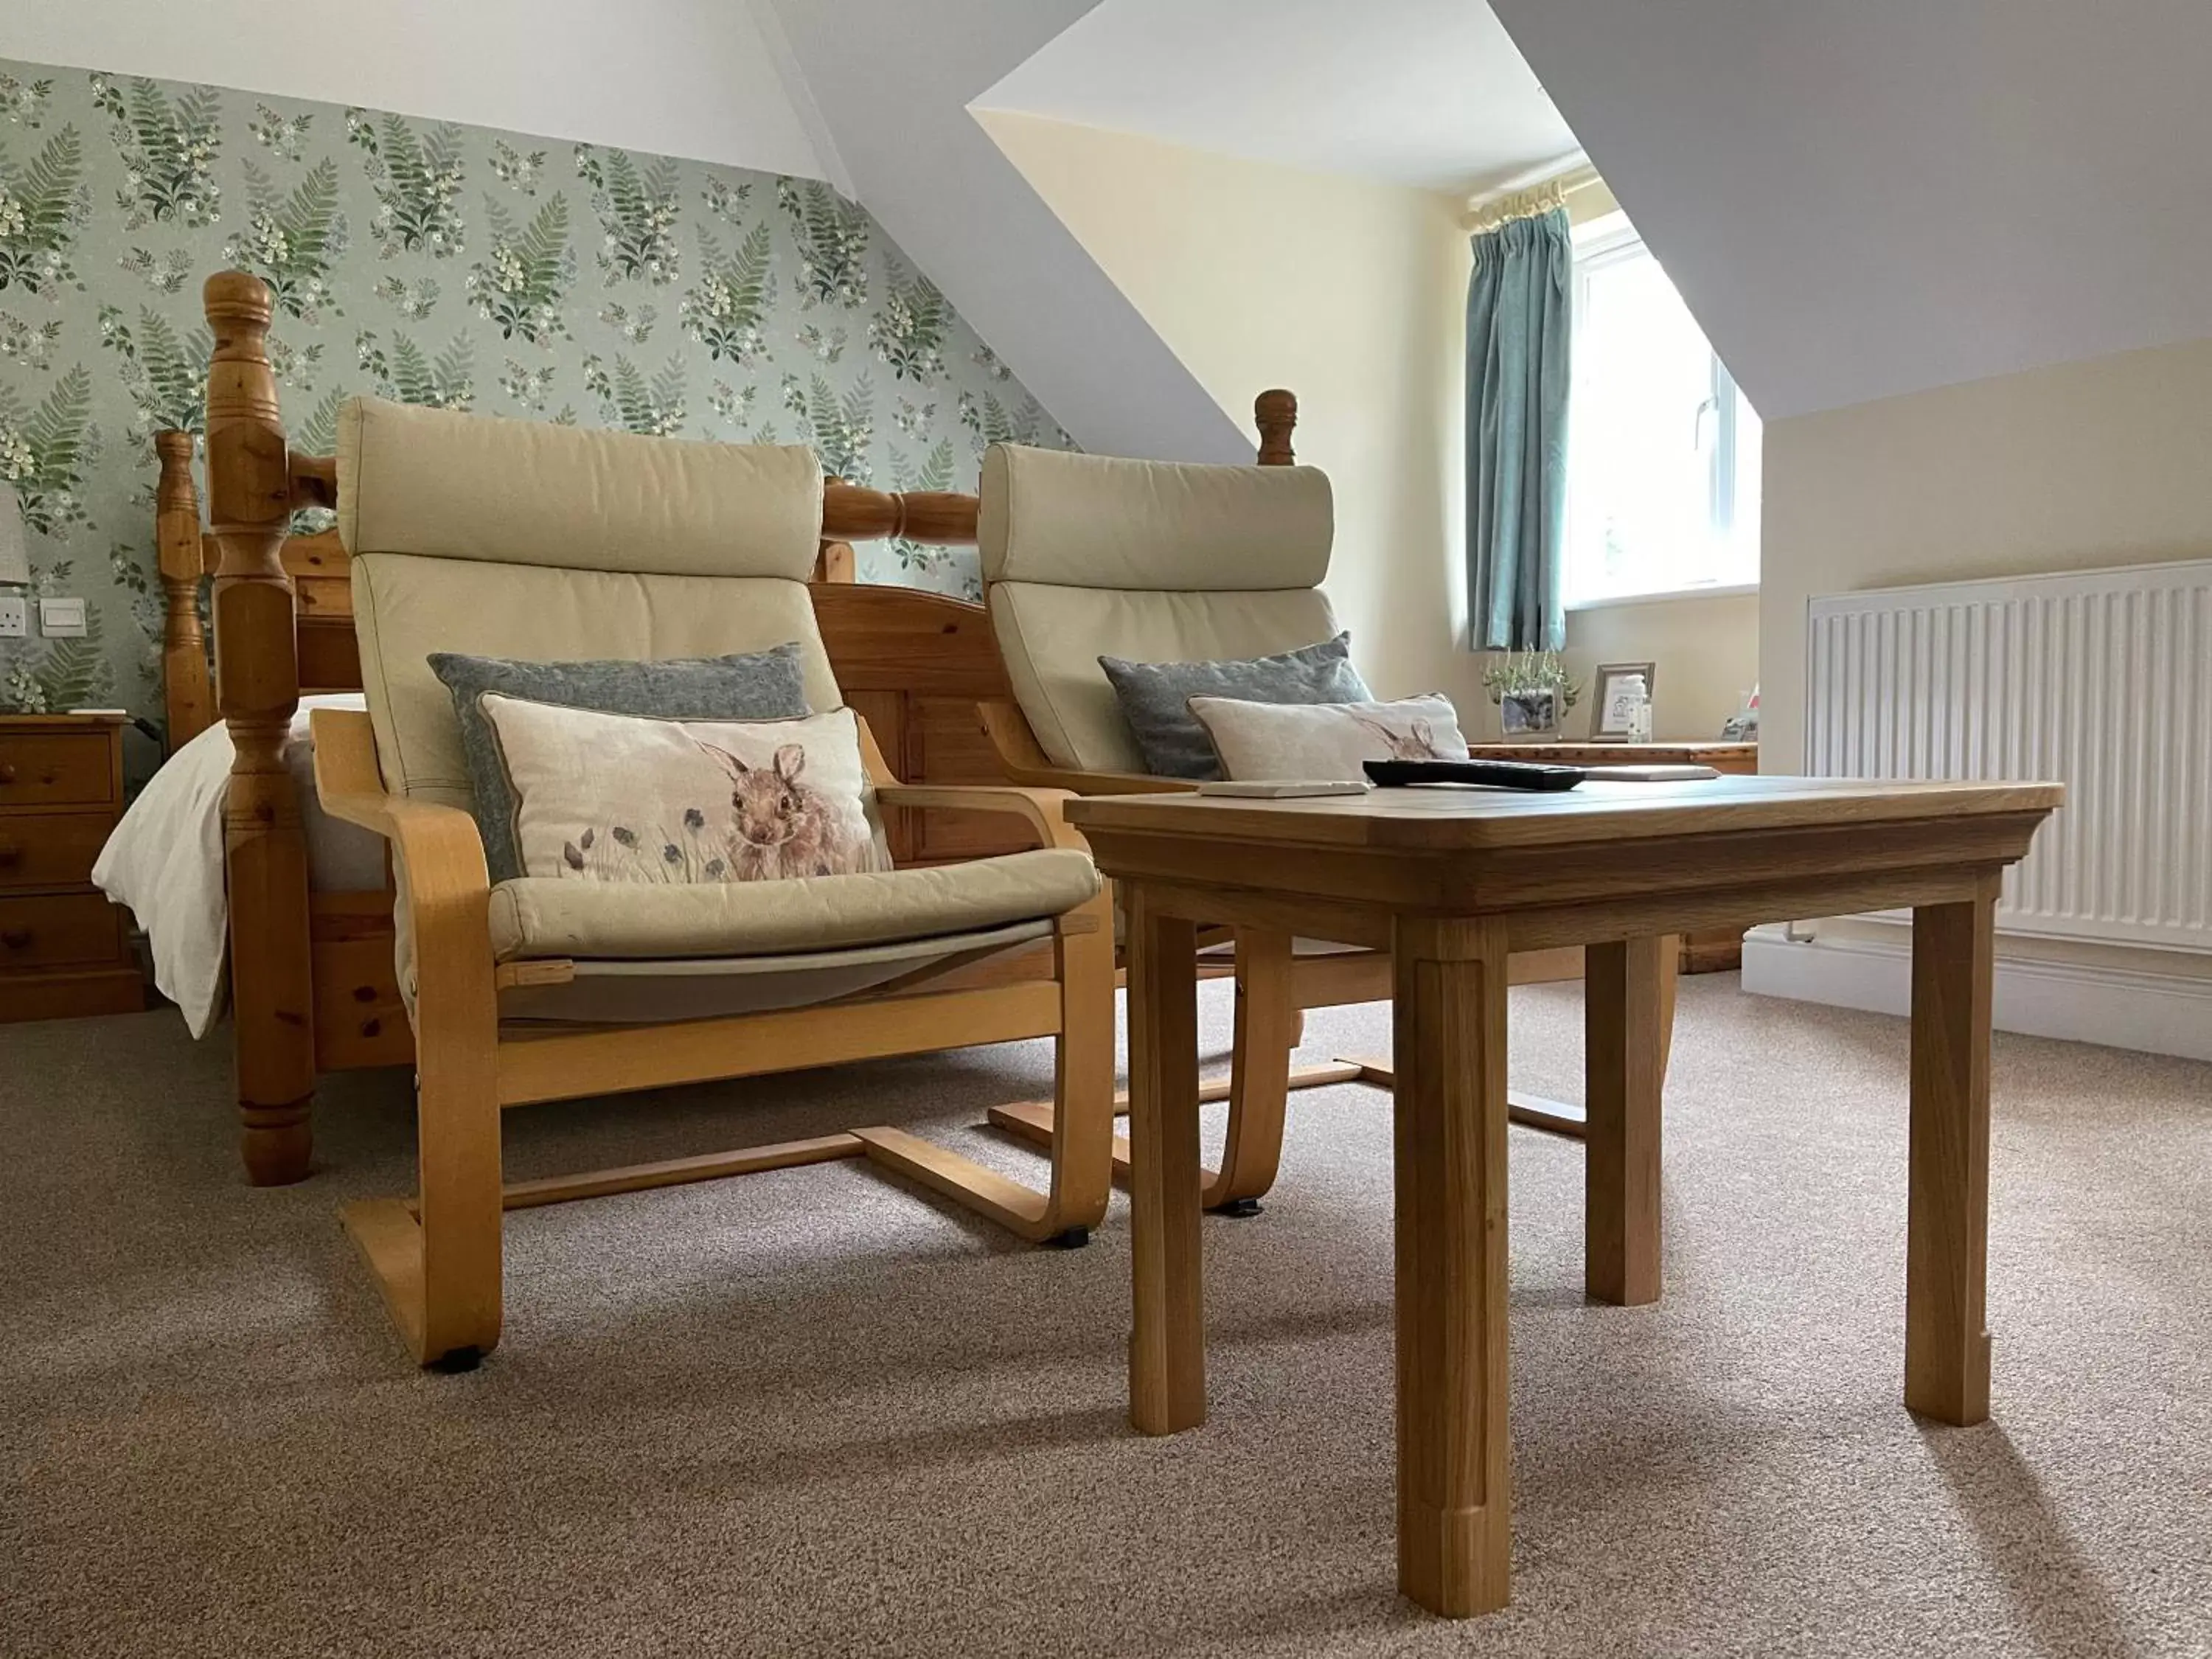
{"type": "Point", "coordinates": [1451, 881]}
{"type": "Point", "coordinates": [1712, 950]}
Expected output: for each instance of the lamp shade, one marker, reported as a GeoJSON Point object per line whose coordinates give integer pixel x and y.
{"type": "Point", "coordinates": [14, 542]}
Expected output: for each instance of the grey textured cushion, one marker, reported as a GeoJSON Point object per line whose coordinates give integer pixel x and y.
{"type": "Point", "coordinates": [1155, 697]}
{"type": "Point", "coordinates": [754, 685]}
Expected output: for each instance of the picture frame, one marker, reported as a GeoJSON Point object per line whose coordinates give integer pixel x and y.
{"type": "Point", "coordinates": [1609, 722]}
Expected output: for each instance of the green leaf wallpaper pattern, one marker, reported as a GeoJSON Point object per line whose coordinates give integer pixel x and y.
{"type": "Point", "coordinates": [442, 264]}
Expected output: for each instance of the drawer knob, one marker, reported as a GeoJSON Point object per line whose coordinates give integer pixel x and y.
{"type": "Point", "coordinates": [11, 855]}
{"type": "Point", "coordinates": [15, 938]}
{"type": "Point", "coordinates": [7, 772]}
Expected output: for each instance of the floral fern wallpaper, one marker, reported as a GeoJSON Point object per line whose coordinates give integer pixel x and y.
{"type": "Point", "coordinates": [439, 264]}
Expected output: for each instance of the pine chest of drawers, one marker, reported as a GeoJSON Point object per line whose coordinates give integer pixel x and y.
{"type": "Point", "coordinates": [64, 950]}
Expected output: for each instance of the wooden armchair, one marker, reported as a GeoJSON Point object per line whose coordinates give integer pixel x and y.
{"type": "Point", "coordinates": [1085, 555]}
{"type": "Point", "coordinates": [537, 542]}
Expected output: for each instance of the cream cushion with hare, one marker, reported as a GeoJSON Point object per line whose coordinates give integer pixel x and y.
{"type": "Point", "coordinates": [626, 798]}
{"type": "Point", "coordinates": [1260, 741]}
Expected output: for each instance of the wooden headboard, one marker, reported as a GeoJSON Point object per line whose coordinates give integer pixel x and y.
{"type": "Point", "coordinates": [894, 636]}
{"type": "Point", "coordinates": [892, 639]}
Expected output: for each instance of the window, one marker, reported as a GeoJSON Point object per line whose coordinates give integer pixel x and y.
{"type": "Point", "coordinates": [1663, 457]}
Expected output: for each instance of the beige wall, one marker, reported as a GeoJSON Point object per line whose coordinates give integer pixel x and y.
{"type": "Point", "coordinates": [1704, 652]}
{"type": "Point", "coordinates": [2106, 462]}
{"type": "Point", "coordinates": [1353, 295]}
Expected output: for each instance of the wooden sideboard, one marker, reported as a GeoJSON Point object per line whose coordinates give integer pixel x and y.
{"type": "Point", "coordinates": [1708, 952]}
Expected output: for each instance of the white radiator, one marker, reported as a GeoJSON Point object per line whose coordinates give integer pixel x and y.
{"type": "Point", "coordinates": [2101, 679]}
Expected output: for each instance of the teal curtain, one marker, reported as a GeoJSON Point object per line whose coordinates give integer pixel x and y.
{"type": "Point", "coordinates": [1519, 313]}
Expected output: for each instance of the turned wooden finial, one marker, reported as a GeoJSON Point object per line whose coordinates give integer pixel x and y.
{"type": "Point", "coordinates": [235, 294]}
{"type": "Point", "coordinates": [258, 690]}
{"type": "Point", "coordinates": [1276, 413]}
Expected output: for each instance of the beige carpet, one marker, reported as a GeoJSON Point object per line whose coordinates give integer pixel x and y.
{"type": "Point", "coordinates": [812, 1412]}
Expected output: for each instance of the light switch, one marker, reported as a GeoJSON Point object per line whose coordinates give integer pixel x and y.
{"type": "Point", "coordinates": [14, 616]}
{"type": "Point", "coordinates": [61, 619]}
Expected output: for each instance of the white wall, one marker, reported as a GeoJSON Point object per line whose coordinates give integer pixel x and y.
{"type": "Point", "coordinates": [691, 78]}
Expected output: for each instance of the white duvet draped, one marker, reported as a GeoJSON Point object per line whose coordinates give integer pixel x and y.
{"type": "Point", "coordinates": [164, 860]}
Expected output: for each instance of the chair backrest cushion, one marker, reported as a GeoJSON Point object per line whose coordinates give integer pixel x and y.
{"type": "Point", "coordinates": [544, 543]}
{"type": "Point", "coordinates": [1072, 520]}
{"type": "Point", "coordinates": [1053, 637]}
{"type": "Point", "coordinates": [446, 485]}
{"type": "Point", "coordinates": [1089, 555]}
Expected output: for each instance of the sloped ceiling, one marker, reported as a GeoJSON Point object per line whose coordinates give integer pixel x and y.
{"type": "Point", "coordinates": [893, 80]}
{"type": "Point", "coordinates": [1427, 93]}
{"type": "Point", "coordinates": [675, 77]}
{"type": "Point", "coordinates": [1863, 198]}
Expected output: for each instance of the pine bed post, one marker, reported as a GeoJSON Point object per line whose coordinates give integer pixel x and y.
{"type": "Point", "coordinates": [1276, 413]}
{"type": "Point", "coordinates": [189, 692]}
{"type": "Point", "coordinates": [257, 691]}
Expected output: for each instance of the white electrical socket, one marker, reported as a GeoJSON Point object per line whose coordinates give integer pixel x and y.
{"type": "Point", "coordinates": [61, 618]}
{"type": "Point", "coordinates": [14, 616]}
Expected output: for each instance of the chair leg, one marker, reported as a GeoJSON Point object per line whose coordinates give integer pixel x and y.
{"type": "Point", "coordinates": [1260, 1072]}
{"type": "Point", "coordinates": [437, 1261]}
{"type": "Point", "coordinates": [1260, 1079]}
{"type": "Point", "coordinates": [1078, 1125]}
{"type": "Point", "coordinates": [1083, 1081]}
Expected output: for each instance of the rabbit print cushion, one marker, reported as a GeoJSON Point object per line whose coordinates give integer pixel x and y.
{"type": "Point", "coordinates": [1260, 741]}
{"type": "Point", "coordinates": [633, 798]}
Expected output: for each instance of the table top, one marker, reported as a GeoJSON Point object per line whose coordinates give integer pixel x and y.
{"type": "Point", "coordinates": [1448, 819]}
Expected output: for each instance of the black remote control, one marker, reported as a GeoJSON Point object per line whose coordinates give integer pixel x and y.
{"type": "Point", "coordinates": [1497, 774]}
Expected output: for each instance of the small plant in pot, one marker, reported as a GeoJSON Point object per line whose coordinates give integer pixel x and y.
{"type": "Point", "coordinates": [1532, 692]}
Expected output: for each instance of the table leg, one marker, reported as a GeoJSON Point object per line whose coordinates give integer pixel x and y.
{"type": "Point", "coordinates": [1947, 1339]}
{"type": "Point", "coordinates": [1624, 1010]}
{"type": "Point", "coordinates": [1167, 1345]}
{"type": "Point", "coordinates": [1455, 1502]}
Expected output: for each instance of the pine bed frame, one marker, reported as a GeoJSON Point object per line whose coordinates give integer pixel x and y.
{"type": "Point", "coordinates": [312, 979]}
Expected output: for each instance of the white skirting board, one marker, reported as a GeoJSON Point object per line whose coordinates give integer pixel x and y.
{"type": "Point", "coordinates": [2120, 1007]}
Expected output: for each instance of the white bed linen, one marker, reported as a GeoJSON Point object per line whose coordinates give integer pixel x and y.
{"type": "Point", "coordinates": [164, 860]}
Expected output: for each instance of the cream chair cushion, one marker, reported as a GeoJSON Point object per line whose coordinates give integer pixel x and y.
{"type": "Point", "coordinates": [613, 991]}
{"type": "Point", "coordinates": [406, 606]}
{"type": "Point", "coordinates": [535, 916]}
{"type": "Point", "coordinates": [1051, 639]}
{"type": "Point", "coordinates": [1088, 555]}
{"type": "Point", "coordinates": [549, 544]}
{"type": "Point", "coordinates": [453, 486]}
{"type": "Point", "coordinates": [1073, 520]}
